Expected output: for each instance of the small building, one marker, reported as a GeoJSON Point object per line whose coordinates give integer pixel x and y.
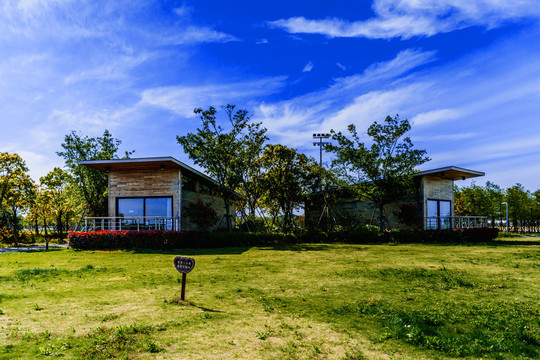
{"type": "Point", "coordinates": [151, 193]}
{"type": "Point", "coordinates": [431, 207]}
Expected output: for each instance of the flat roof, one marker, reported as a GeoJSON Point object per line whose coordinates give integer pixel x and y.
{"type": "Point", "coordinates": [451, 173]}
{"type": "Point", "coordinates": [149, 163]}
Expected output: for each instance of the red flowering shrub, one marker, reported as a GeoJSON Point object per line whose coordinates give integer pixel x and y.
{"type": "Point", "coordinates": [165, 240]}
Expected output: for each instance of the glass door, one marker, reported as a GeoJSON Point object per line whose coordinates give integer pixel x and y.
{"type": "Point", "coordinates": [439, 214]}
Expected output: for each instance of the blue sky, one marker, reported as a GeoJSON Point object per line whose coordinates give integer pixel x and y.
{"type": "Point", "coordinates": [466, 73]}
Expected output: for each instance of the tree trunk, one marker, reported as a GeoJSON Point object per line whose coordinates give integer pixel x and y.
{"type": "Point", "coordinates": [36, 226]}
{"type": "Point", "coordinates": [60, 226]}
{"type": "Point", "coordinates": [15, 227]}
{"type": "Point", "coordinates": [228, 214]}
{"type": "Point", "coordinates": [381, 217]}
{"type": "Point", "coordinates": [46, 234]}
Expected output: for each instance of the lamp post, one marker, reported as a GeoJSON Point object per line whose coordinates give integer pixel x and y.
{"type": "Point", "coordinates": [320, 144]}
{"type": "Point", "coordinates": [506, 215]}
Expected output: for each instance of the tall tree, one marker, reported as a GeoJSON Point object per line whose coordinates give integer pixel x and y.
{"type": "Point", "coordinates": [16, 190]}
{"type": "Point", "coordinates": [91, 183]}
{"type": "Point", "coordinates": [56, 184]}
{"type": "Point", "coordinates": [286, 178]}
{"type": "Point", "coordinates": [519, 202]}
{"type": "Point", "coordinates": [383, 171]}
{"type": "Point", "coordinates": [226, 154]}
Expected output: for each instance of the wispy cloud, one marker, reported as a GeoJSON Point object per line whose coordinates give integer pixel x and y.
{"type": "Point", "coordinates": [348, 99]}
{"type": "Point", "coordinates": [469, 113]}
{"type": "Point", "coordinates": [309, 66]}
{"type": "Point", "coordinates": [434, 116]}
{"type": "Point", "coordinates": [341, 66]}
{"type": "Point", "coordinates": [183, 99]}
{"type": "Point", "coordinates": [408, 18]}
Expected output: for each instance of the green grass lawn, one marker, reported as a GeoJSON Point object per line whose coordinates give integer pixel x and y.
{"type": "Point", "coordinates": [287, 302]}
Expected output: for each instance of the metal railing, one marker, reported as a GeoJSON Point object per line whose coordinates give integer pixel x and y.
{"type": "Point", "coordinates": [454, 222]}
{"type": "Point", "coordinates": [131, 223]}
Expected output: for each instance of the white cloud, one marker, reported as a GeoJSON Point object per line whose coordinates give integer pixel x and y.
{"type": "Point", "coordinates": [309, 66]}
{"type": "Point", "coordinates": [408, 18]}
{"type": "Point", "coordinates": [434, 116]}
{"type": "Point", "coordinates": [404, 61]}
{"type": "Point", "coordinates": [348, 100]}
{"type": "Point", "coordinates": [261, 41]}
{"type": "Point", "coordinates": [341, 66]}
{"type": "Point", "coordinates": [196, 35]}
{"type": "Point", "coordinates": [183, 99]}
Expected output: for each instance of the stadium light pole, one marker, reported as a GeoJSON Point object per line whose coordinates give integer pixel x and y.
{"type": "Point", "coordinates": [506, 215]}
{"type": "Point", "coordinates": [320, 143]}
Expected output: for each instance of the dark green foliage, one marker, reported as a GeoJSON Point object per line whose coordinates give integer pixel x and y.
{"type": "Point", "coordinates": [226, 155]}
{"type": "Point", "coordinates": [383, 171]}
{"type": "Point", "coordinates": [202, 214]}
{"type": "Point", "coordinates": [91, 183]}
{"type": "Point", "coordinates": [192, 240]}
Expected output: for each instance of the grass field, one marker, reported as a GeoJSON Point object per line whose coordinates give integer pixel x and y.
{"type": "Point", "coordinates": [290, 302]}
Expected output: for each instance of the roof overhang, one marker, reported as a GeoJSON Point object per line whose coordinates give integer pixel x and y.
{"type": "Point", "coordinates": [451, 173]}
{"type": "Point", "coordinates": [150, 163]}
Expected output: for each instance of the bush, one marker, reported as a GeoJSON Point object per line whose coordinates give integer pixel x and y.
{"type": "Point", "coordinates": [163, 240]}
{"type": "Point", "coordinates": [173, 239]}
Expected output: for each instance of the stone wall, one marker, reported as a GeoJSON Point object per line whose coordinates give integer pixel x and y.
{"type": "Point", "coordinates": [436, 188]}
{"type": "Point", "coordinates": [366, 211]}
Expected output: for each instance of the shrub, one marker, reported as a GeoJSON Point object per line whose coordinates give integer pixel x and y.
{"type": "Point", "coordinates": [163, 240]}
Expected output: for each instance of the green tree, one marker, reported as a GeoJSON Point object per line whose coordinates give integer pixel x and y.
{"type": "Point", "coordinates": [202, 214]}
{"type": "Point", "coordinates": [519, 200]}
{"type": "Point", "coordinates": [56, 185]}
{"type": "Point", "coordinates": [91, 184]}
{"type": "Point", "coordinates": [383, 171]}
{"type": "Point", "coordinates": [16, 191]}
{"type": "Point", "coordinates": [286, 175]}
{"type": "Point", "coordinates": [226, 154]}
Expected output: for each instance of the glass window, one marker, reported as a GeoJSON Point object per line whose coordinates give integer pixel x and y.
{"type": "Point", "coordinates": [159, 207]}
{"type": "Point", "coordinates": [189, 184]}
{"type": "Point", "coordinates": [131, 207]}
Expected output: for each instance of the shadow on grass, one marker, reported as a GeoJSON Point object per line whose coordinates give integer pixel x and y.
{"type": "Point", "coordinates": [528, 241]}
{"type": "Point", "coordinates": [178, 301]}
{"type": "Point", "coordinates": [209, 251]}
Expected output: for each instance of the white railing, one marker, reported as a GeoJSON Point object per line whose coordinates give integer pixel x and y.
{"type": "Point", "coordinates": [454, 222]}
{"type": "Point", "coordinates": [137, 223]}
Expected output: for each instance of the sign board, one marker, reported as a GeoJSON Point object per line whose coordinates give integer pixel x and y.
{"type": "Point", "coordinates": [184, 264]}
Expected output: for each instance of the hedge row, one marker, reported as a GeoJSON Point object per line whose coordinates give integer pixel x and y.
{"type": "Point", "coordinates": [181, 240]}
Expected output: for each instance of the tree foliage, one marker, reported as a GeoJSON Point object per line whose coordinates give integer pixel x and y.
{"type": "Point", "coordinates": [381, 172]}
{"type": "Point", "coordinates": [227, 154]}
{"type": "Point", "coordinates": [523, 205]}
{"type": "Point", "coordinates": [285, 178]}
{"type": "Point", "coordinates": [16, 191]}
{"type": "Point", "coordinates": [202, 214]}
{"type": "Point", "coordinates": [91, 184]}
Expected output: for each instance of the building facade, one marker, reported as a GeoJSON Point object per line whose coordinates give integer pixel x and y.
{"type": "Point", "coordinates": [151, 193]}
{"type": "Point", "coordinates": [431, 207]}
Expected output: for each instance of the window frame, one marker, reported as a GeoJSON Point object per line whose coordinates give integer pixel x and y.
{"type": "Point", "coordinates": [144, 204]}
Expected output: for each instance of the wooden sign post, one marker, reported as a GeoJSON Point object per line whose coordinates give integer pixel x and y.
{"type": "Point", "coordinates": [184, 265]}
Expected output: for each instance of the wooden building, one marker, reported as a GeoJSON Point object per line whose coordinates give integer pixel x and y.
{"type": "Point", "coordinates": [150, 193]}
{"type": "Point", "coordinates": [432, 204]}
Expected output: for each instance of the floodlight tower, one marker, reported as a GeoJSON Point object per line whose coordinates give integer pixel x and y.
{"type": "Point", "coordinates": [321, 144]}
